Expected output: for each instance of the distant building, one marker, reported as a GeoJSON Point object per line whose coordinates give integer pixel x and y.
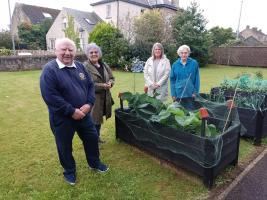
{"type": "Point", "coordinates": [24, 13]}
{"type": "Point", "coordinates": [253, 37]}
{"type": "Point", "coordinates": [84, 23]}
{"type": "Point", "coordinates": [122, 12]}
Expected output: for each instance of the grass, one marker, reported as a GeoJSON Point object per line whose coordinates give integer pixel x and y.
{"type": "Point", "coordinates": [29, 167]}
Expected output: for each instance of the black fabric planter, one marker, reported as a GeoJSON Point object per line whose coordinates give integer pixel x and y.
{"type": "Point", "coordinates": [200, 155]}
{"type": "Point", "coordinates": [254, 120]}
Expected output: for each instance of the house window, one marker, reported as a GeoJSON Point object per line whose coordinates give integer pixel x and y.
{"type": "Point", "coordinates": [88, 21]}
{"type": "Point", "coordinates": [52, 43]}
{"type": "Point", "coordinates": [82, 44]}
{"type": "Point", "coordinates": [64, 23]}
{"type": "Point", "coordinates": [108, 11]}
{"type": "Point", "coordinates": [47, 15]}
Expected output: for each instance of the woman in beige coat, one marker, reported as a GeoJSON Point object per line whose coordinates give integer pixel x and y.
{"type": "Point", "coordinates": [104, 80]}
{"type": "Point", "coordinates": [156, 73]}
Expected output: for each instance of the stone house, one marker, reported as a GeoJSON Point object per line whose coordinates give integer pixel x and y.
{"type": "Point", "coordinates": [84, 23]}
{"type": "Point", "coordinates": [24, 13]}
{"type": "Point", "coordinates": [253, 37]}
{"type": "Point", "coordinates": [121, 13]}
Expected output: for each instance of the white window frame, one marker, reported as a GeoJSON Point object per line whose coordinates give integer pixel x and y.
{"type": "Point", "coordinates": [47, 15]}
{"type": "Point", "coordinates": [108, 11]}
{"type": "Point", "coordinates": [64, 23]}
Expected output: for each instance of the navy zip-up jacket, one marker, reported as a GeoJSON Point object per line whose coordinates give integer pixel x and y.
{"type": "Point", "coordinates": [65, 89]}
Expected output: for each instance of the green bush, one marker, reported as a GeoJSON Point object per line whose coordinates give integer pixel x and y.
{"type": "Point", "coordinates": [170, 50]}
{"type": "Point", "coordinates": [5, 52]}
{"type": "Point", "coordinates": [114, 47]}
{"type": "Point", "coordinates": [33, 35]}
{"type": "Point", "coordinates": [5, 39]}
{"type": "Point", "coordinates": [148, 29]}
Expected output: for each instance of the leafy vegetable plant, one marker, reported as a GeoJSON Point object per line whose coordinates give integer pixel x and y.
{"type": "Point", "coordinates": [250, 90]}
{"type": "Point", "coordinates": [173, 115]}
{"type": "Point", "coordinates": [190, 122]}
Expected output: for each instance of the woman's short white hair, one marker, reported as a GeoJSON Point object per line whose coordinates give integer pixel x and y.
{"type": "Point", "coordinates": [93, 46]}
{"type": "Point", "coordinates": [182, 48]}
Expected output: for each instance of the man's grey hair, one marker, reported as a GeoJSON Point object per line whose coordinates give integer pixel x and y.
{"type": "Point", "coordinates": [159, 45]}
{"type": "Point", "coordinates": [182, 48]}
{"type": "Point", "coordinates": [92, 46]}
{"type": "Point", "coordinates": [64, 40]}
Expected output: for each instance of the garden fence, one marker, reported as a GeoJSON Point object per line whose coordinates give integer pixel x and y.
{"type": "Point", "coordinates": [240, 56]}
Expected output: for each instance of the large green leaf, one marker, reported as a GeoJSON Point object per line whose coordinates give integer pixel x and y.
{"type": "Point", "coordinates": [180, 120]}
{"type": "Point", "coordinates": [211, 130]}
{"type": "Point", "coordinates": [174, 115]}
{"type": "Point", "coordinates": [175, 110]}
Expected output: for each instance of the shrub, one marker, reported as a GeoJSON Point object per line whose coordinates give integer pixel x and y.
{"type": "Point", "coordinates": [149, 28]}
{"type": "Point", "coordinates": [114, 47]}
{"type": "Point", "coordinates": [5, 52]}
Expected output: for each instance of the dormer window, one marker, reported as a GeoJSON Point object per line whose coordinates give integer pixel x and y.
{"type": "Point", "coordinates": [88, 21]}
{"type": "Point", "coordinates": [108, 11]}
{"type": "Point", "coordinates": [47, 15]}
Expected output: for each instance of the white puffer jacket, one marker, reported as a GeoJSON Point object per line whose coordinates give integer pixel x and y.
{"type": "Point", "coordinates": [162, 76]}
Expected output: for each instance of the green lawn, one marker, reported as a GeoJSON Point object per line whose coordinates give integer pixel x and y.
{"type": "Point", "coordinates": [29, 167]}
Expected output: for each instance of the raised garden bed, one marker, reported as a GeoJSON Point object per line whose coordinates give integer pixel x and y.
{"type": "Point", "coordinates": [202, 155]}
{"type": "Point", "coordinates": [253, 119]}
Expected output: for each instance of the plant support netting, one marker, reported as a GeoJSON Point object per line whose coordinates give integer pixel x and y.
{"type": "Point", "coordinates": [182, 132]}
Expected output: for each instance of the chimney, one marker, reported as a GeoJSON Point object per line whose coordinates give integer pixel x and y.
{"type": "Point", "coordinates": [175, 3]}
{"type": "Point", "coordinates": [254, 28]}
{"type": "Point", "coordinates": [247, 27]}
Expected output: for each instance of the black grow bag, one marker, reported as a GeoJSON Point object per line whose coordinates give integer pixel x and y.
{"type": "Point", "coordinates": [133, 130]}
{"type": "Point", "coordinates": [254, 120]}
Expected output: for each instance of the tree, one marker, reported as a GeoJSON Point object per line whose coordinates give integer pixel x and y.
{"type": "Point", "coordinates": [189, 28]}
{"type": "Point", "coordinates": [149, 28]}
{"type": "Point", "coordinates": [29, 35]}
{"type": "Point", "coordinates": [220, 35]}
{"type": "Point", "coordinates": [114, 47]}
{"type": "Point", "coordinates": [34, 35]}
{"type": "Point", "coordinates": [71, 33]}
{"type": "Point", "coordinates": [5, 39]}
{"type": "Point", "coordinates": [44, 28]}
{"type": "Point", "coordinates": [126, 25]}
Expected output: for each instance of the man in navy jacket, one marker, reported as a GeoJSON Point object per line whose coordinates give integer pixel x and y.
{"type": "Point", "coordinates": [68, 91]}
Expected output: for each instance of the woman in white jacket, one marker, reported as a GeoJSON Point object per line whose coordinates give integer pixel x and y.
{"type": "Point", "coordinates": [156, 73]}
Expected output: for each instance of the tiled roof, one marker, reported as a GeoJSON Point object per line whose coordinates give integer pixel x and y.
{"type": "Point", "coordinates": [87, 20]}
{"type": "Point", "coordinates": [144, 3]}
{"type": "Point", "coordinates": [37, 14]}
{"type": "Point", "coordinates": [257, 34]}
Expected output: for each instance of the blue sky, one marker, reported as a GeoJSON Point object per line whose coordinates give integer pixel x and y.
{"type": "Point", "coordinates": [224, 13]}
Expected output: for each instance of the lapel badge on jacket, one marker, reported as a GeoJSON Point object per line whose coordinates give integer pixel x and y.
{"type": "Point", "coordinates": [82, 76]}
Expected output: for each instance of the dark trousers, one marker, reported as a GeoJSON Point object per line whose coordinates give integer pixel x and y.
{"type": "Point", "coordinates": [187, 103]}
{"type": "Point", "coordinates": [98, 127]}
{"type": "Point", "coordinates": [64, 132]}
